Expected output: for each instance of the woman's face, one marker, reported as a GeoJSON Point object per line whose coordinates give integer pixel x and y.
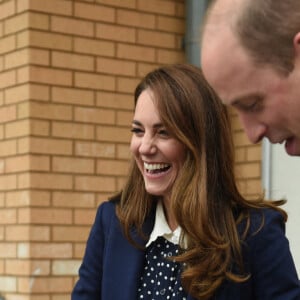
{"type": "Point", "coordinates": [158, 155]}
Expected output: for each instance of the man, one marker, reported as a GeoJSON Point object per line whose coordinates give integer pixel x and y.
{"type": "Point", "coordinates": [251, 56]}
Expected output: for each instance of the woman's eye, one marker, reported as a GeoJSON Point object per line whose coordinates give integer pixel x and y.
{"type": "Point", "coordinates": [136, 130]}
{"type": "Point", "coordinates": [163, 132]}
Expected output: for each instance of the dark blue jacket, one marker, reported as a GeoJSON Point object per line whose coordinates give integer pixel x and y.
{"type": "Point", "coordinates": [112, 267]}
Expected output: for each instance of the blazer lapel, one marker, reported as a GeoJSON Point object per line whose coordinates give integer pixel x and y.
{"type": "Point", "coordinates": [124, 263]}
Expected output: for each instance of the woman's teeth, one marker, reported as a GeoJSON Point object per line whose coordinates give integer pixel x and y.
{"type": "Point", "coordinates": [152, 168]}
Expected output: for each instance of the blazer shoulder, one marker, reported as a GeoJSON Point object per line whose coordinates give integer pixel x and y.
{"type": "Point", "coordinates": [263, 219]}
{"type": "Point", "coordinates": [105, 217]}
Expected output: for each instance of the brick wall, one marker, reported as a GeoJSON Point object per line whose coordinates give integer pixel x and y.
{"type": "Point", "coordinates": [67, 72]}
{"type": "Point", "coordinates": [248, 161]}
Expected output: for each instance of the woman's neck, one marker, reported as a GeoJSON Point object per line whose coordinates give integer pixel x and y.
{"type": "Point", "coordinates": [170, 217]}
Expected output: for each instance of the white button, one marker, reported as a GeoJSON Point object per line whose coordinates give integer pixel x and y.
{"type": "Point", "coordinates": [162, 292]}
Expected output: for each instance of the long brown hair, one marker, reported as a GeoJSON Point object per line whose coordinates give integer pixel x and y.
{"type": "Point", "coordinates": [205, 198]}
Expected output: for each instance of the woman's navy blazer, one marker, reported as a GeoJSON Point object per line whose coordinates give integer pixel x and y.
{"type": "Point", "coordinates": [112, 267]}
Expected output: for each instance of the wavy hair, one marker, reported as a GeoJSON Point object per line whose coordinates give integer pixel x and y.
{"type": "Point", "coordinates": [204, 198]}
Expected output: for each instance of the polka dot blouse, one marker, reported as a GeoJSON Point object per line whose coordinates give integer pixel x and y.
{"type": "Point", "coordinates": [161, 277]}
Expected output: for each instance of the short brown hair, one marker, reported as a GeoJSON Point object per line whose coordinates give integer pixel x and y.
{"type": "Point", "coordinates": [266, 29]}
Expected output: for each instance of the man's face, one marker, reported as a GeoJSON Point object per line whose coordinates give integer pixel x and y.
{"type": "Point", "coordinates": [268, 103]}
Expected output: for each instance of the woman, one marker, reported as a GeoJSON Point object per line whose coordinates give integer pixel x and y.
{"type": "Point", "coordinates": [180, 229]}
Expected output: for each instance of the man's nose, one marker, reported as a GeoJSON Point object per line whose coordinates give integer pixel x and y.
{"type": "Point", "coordinates": [254, 129]}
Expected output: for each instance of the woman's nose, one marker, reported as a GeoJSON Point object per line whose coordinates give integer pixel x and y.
{"type": "Point", "coordinates": [147, 145]}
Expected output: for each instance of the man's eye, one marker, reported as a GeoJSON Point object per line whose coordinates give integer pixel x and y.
{"type": "Point", "coordinates": [251, 106]}
{"type": "Point", "coordinates": [255, 106]}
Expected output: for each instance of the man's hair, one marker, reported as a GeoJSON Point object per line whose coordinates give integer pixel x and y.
{"type": "Point", "coordinates": [266, 29]}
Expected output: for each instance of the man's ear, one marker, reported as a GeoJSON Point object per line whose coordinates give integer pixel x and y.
{"type": "Point", "coordinates": [297, 43]}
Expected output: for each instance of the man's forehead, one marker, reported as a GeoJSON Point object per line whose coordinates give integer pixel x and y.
{"type": "Point", "coordinates": [224, 10]}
